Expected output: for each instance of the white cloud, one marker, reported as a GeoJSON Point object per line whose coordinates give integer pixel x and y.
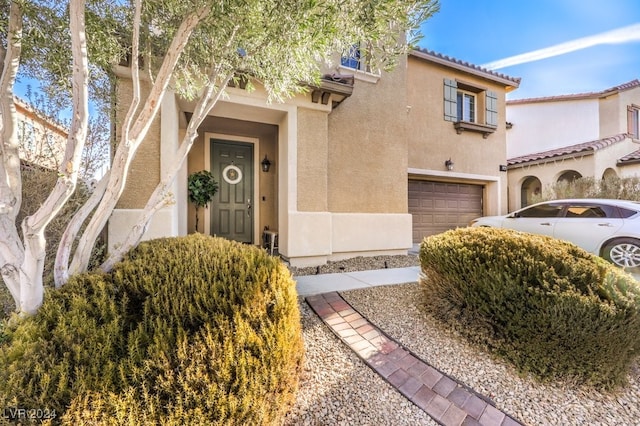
{"type": "Point", "coordinates": [617, 36]}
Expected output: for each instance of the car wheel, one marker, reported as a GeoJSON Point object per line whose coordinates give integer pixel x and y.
{"type": "Point", "coordinates": [624, 252]}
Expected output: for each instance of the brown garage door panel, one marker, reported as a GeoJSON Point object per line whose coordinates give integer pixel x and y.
{"type": "Point", "coordinates": [438, 206]}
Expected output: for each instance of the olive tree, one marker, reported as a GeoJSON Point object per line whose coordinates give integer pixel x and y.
{"type": "Point", "coordinates": [194, 47]}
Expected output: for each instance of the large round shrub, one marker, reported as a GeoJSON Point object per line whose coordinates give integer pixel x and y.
{"type": "Point", "coordinates": [192, 330]}
{"type": "Point", "coordinates": [547, 306]}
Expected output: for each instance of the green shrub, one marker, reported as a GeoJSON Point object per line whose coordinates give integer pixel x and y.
{"type": "Point", "coordinates": [545, 305]}
{"type": "Point", "coordinates": [192, 330]}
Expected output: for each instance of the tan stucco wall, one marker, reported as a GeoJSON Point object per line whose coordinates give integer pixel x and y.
{"type": "Point", "coordinates": [629, 170]}
{"type": "Point", "coordinates": [144, 173]}
{"type": "Point", "coordinates": [312, 160]}
{"type": "Point", "coordinates": [432, 139]}
{"type": "Point", "coordinates": [367, 164]}
{"type": "Point", "coordinates": [610, 115]}
{"type": "Point", "coordinates": [195, 163]}
{"type": "Point", "coordinates": [613, 111]}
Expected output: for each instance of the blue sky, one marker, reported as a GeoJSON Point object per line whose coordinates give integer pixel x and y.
{"type": "Point", "coordinates": [593, 44]}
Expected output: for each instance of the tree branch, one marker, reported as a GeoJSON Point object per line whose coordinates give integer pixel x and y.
{"type": "Point", "coordinates": [159, 196]}
{"type": "Point", "coordinates": [61, 268]}
{"type": "Point", "coordinates": [127, 148]}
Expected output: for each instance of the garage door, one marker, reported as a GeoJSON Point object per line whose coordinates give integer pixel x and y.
{"type": "Point", "coordinates": [440, 206]}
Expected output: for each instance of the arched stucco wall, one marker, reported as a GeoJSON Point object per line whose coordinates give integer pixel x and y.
{"type": "Point", "coordinates": [530, 187]}
{"type": "Point", "coordinates": [609, 173]}
{"type": "Point", "coordinates": [568, 175]}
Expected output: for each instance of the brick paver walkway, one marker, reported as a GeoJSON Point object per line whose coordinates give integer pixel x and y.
{"type": "Point", "coordinates": [443, 398]}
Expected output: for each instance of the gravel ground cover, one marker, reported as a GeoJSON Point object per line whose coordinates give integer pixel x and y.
{"type": "Point", "coordinates": [338, 388]}
{"type": "Point", "coordinates": [359, 264]}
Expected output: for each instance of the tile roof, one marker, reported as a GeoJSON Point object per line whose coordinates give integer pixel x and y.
{"type": "Point", "coordinates": [465, 66]}
{"type": "Point", "coordinates": [577, 96]}
{"type": "Point", "coordinates": [569, 150]}
{"type": "Point", "coordinates": [633, 157]}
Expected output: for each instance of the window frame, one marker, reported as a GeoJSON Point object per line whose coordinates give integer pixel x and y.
{"type": "Point", "coordinates": [633, 121]}
{"type": "Point", "coordinates": [353, 57]}
{"type": "Point", "coordinates": [464, 112]}
{"type": "Point", "coordinates": [357, 59]}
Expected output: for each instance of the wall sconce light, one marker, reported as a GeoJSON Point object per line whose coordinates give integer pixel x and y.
{"type": "Point", "coordinates": [449, 164]}
{"type": "Point", "coordinates": [266, 164]}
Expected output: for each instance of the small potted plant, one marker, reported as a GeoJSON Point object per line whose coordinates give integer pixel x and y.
{"type": "Point", "coordinates": [202, 187]}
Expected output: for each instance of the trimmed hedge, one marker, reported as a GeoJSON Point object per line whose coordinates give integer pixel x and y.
{"type": "Point", "coordinates": [545, 305]}
{"type": "Point", "coordinates": [191, 330]}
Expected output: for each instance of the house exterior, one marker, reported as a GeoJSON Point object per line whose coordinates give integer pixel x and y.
{"type": "Point", "coordinates": [356, 166]}
{"type": "Point", "coordinates": [42, 142]}
{"type": "Point", "coordinates": [570, 136]}
{"type": "Point", "coordinates": [457, 122]}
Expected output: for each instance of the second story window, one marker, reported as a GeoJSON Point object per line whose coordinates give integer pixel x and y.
{"type": "Point", "coordinates": [470, 107]}
{"type": "Point", "coordinates": [351, 58]}
{"type": "Point", "coordinates": [466, 107]}
{"type": "Point", "coordinates": [633, 125]}
{"type": "Point", "coordinates": [358, 58]}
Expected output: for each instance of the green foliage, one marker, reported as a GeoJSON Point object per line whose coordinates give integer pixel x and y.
{"type": "Point", "coordinates": [545, 305]}
{"type": "Point", "coordinates": [300, 34]}
{"type": "Point", "coordinates": [202, 186]}
{"type": "Point", "coordinates": [193, 330]}
{"type": "Point", "coordinates": [625, 188]}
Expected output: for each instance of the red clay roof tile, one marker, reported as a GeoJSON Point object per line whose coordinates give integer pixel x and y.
{"type": "Point", "coordinates": [571, 97]}
{"type": "Point", "coordinates": [569, 150]}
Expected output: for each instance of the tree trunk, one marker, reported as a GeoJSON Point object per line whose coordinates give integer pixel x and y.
{"type": "Point", "coordinates": [33, 227]}
{"type": "Point", "coordinates": [11, 255]}
{"type": "Point", "coordinates": [61, 268]}
{"type": "Point", "coordinates": [131, 136]}
{"type": "Point", "coordinates": [11, 249]}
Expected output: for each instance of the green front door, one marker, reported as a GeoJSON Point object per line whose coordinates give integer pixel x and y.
{"type": "Point", "coordinates": [232, 212]}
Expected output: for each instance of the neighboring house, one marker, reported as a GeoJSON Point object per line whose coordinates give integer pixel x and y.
{"type": "Point", "coordinates": [571, 136]}
{"type": "Point", "coordinates": [42, 142]}
{"type": "Point", "coordinates": [368, 163]}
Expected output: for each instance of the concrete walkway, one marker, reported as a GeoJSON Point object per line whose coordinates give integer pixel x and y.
{"type": "Point", "coordinates": [446, 400]}
{"type": "Point", "coordinates": [308, 285]}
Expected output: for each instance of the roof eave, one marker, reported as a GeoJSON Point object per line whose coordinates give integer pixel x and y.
{"type": "Point", "coordinates": [510, 84]}
{"type": "Point", "coordinates": [539, 161]}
